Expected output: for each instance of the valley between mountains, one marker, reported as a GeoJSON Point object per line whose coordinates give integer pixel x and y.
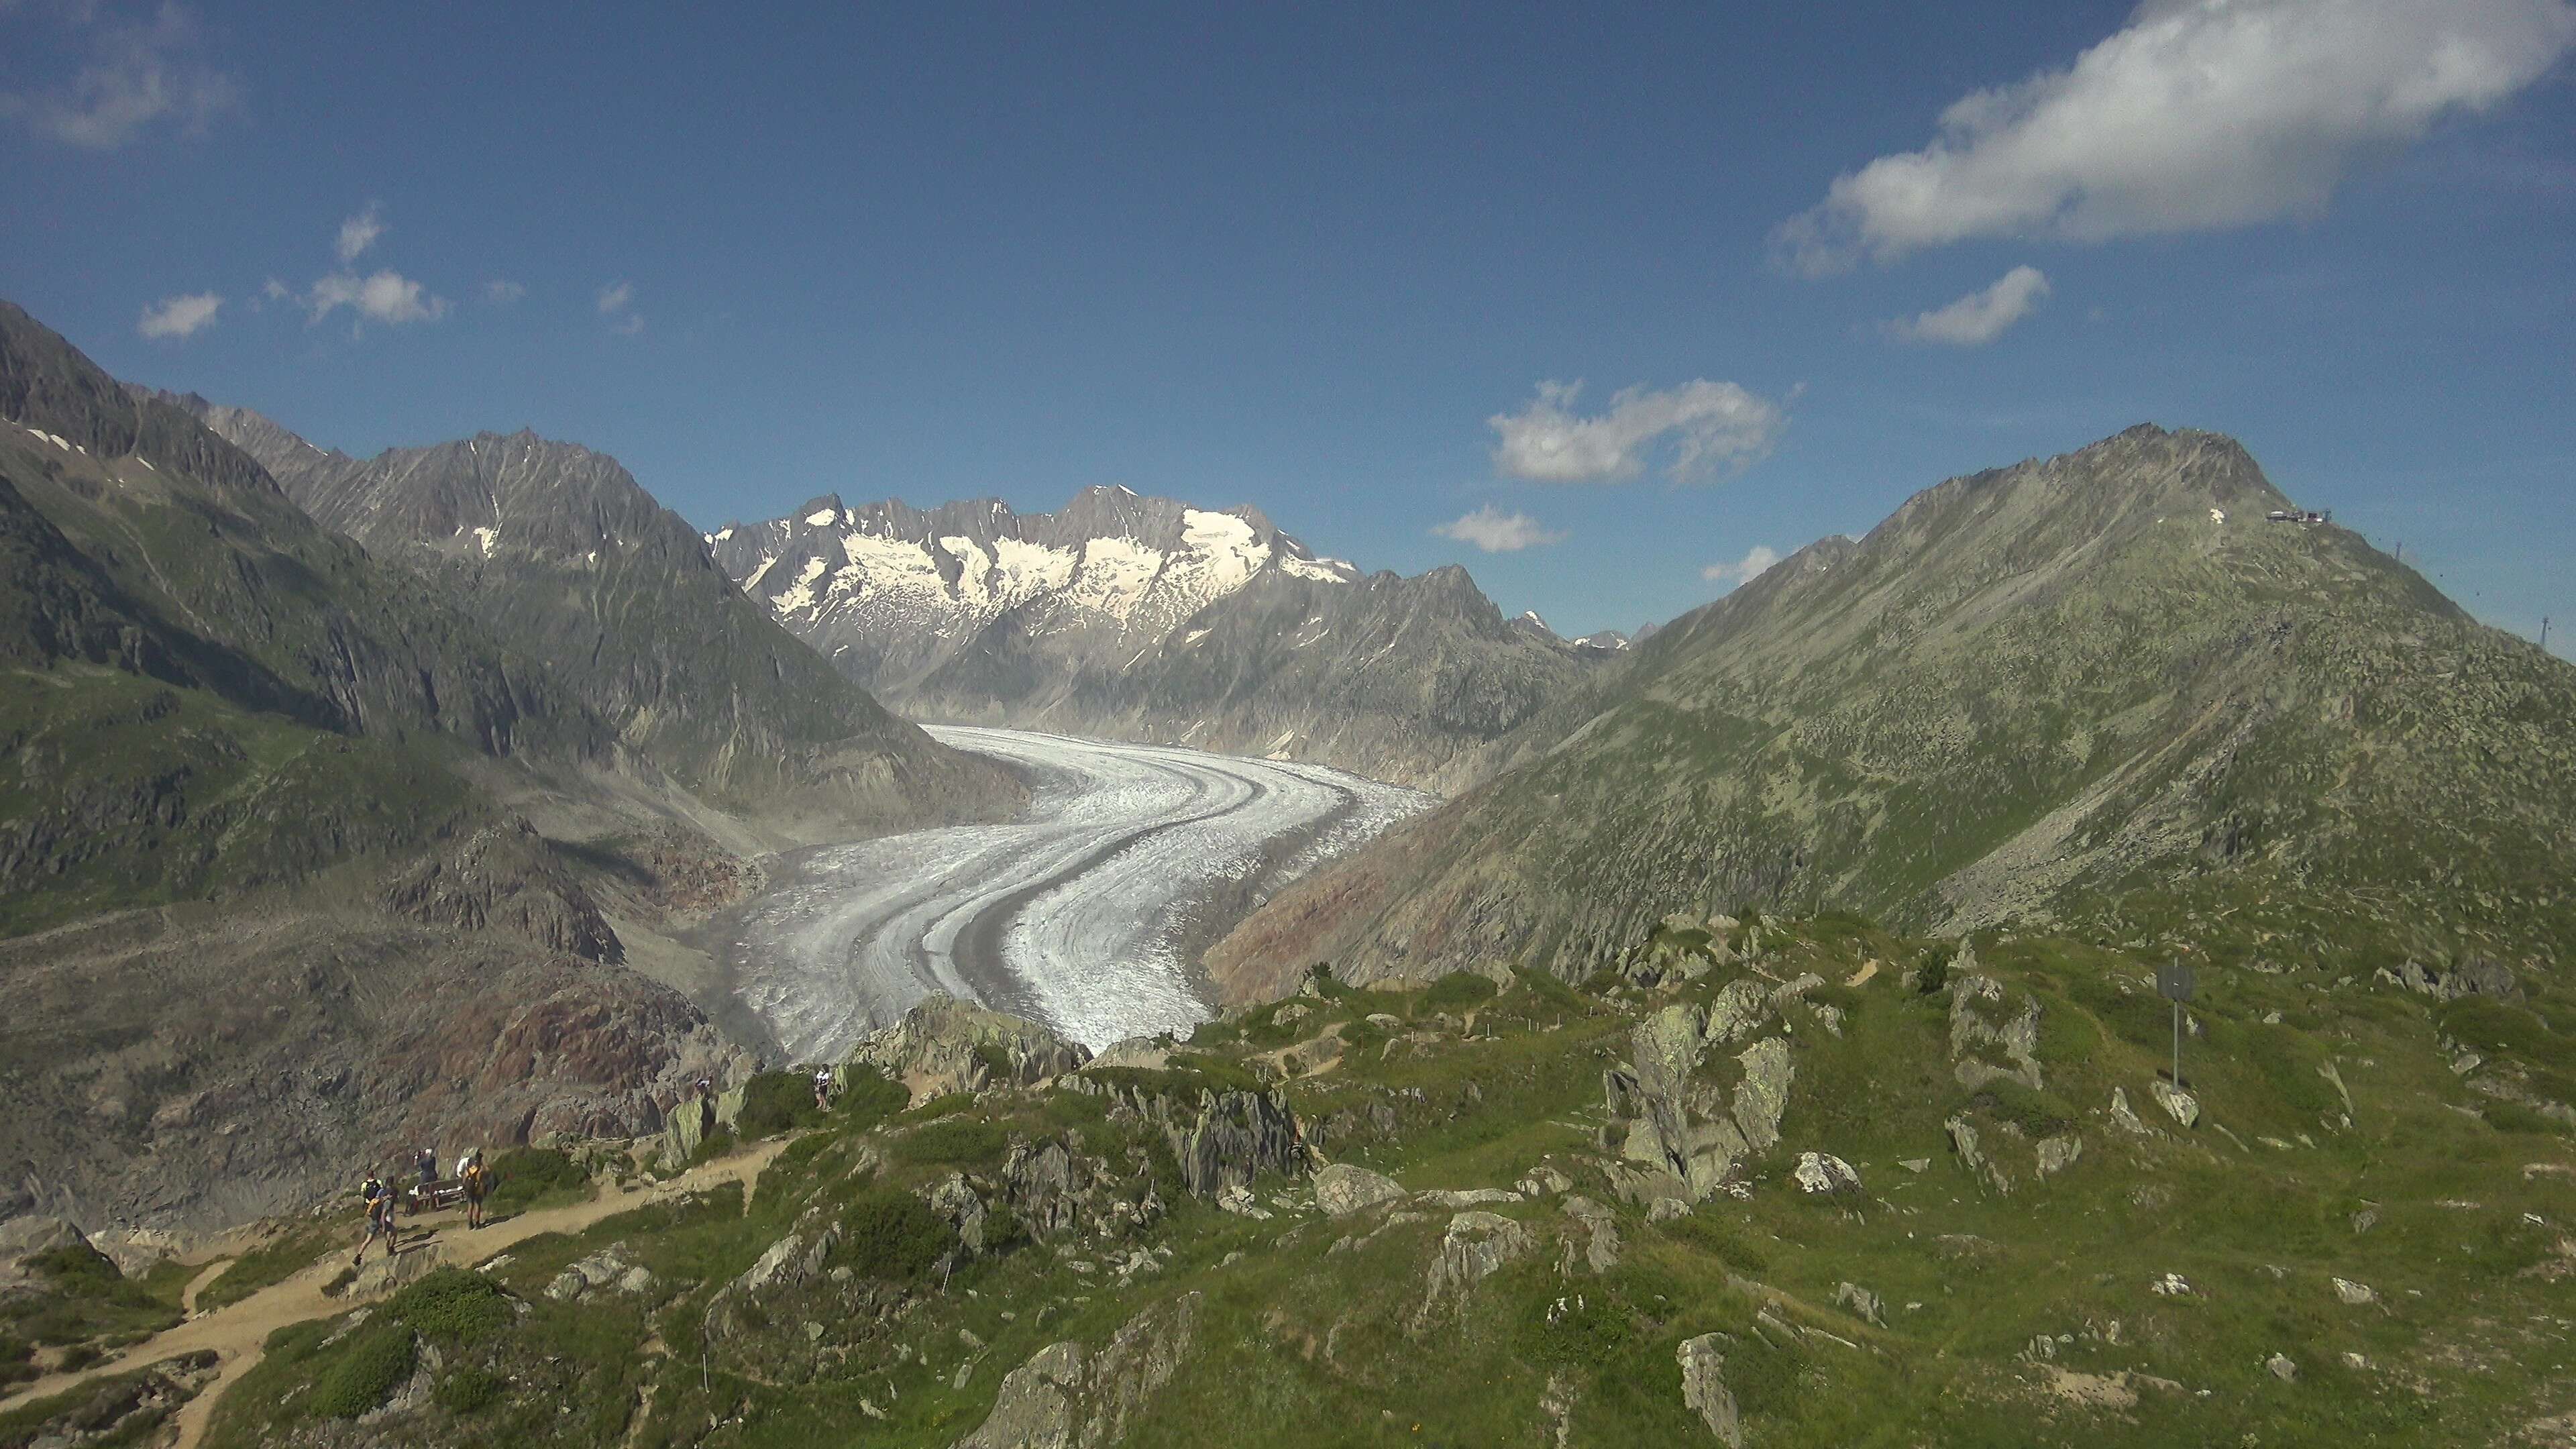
{"type": "Point", "coordinates": [1254, 990]}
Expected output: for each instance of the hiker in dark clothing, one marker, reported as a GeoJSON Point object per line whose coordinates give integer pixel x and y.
{"type": "Point", "coordinates": [428, 1179]}
{"type": "Point", "coordinates": [379, 1198]}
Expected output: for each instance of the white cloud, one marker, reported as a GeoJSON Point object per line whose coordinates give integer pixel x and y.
{"type": "Point", "coordinates": [617, 300]}
{"type": "Point", "coordinates": [182, 316]}
{"type": "Point", "coordinates": [1745, 570]}
{"type": "Point", "coordinates": [385, 297]}
{"type": "Point", "coordinates": [1979, 317]}
{"type": "Point", "coordinates": [1495, 531]}
{"type": "Point", "coordinates": [136, 75]}
{"type": "Point", "coordinates": [360, 232]}
{"type": "Point", "coordinates": [502, 293]}
{"type": "Point", "coordinates": [1706, 426]}
{"type": "Point", "coordinates": [2198, 114]}
{"type": "Point", "coordinates": [275, 291]}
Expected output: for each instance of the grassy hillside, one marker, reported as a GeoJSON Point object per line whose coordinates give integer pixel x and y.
{"type": "Point", "coordinates": [2357, 1240]}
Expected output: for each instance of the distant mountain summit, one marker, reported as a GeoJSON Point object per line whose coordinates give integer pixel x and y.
{"type": "Point", "coordinates": [1146, 618]}
{"type": "Point", "coordinates": [2100, 689]}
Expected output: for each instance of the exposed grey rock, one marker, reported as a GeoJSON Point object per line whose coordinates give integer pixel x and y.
{"type": "Point", "coordinates": [957, 1202]}
{"type": "Point", "coordinates": [1970, 1145]}
{"type": "Point", "coordinates": [2056, 1154]}
{"type": "Point", "coordinates": [1704, 1391]}
{"type": "Point", "coordinates": [1541, 1181]}
{"type": "Point", "coordinates": [2123, 1115]}
{"type": "Point", "coordinates": [1822, 1173]}
{"type": "Point", "coordinates": [1454, 1198]}
{"type": "Point", "coordinates": [1741, 1005]}
{"type": "Point", "coordinates": [2355, 1295]}
{"type": "Point", "coordinates": [1068, 1397]}
{"type": "Point", "coordinates": [2282, 1368]}
{"type": "Point", "coordinates": [1861, 1302]}
{"type": "Point", "coordinates": [1980, 1023]}
{"type": "Point", "coordinates": [1600, 1232]}
{"type": "Point", "coordinates": [1763, 1098]}
{"type": "Point", "coordinates": [1665, 1209]}
{"type": "Point", "coordinates": [1475, 1247]}
{"type": "Point", "coordinates": [1343, 1188]}
{"type": "Point", "coordinates": [2178, 1104]}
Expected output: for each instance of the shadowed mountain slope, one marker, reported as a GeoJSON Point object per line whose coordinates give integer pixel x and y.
{"type": "Point", "coordinates": [574, 565]}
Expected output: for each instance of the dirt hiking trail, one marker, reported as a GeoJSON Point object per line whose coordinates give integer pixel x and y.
{"type": "Point", "coordinates": [238, 1332]}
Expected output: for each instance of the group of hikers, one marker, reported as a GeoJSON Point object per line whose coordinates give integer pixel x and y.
{"type": "Point", "coordinates": [383, 1200]}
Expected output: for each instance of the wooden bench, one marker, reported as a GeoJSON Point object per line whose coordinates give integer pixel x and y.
{"type": "Point", "coordinates": [447, 1192]}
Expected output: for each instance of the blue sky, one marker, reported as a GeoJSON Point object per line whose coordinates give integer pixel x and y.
{"type": "Point", "coordinates": [1343, 263]}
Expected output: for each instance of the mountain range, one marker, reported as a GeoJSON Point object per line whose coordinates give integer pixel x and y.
{"type": "Point", "coordinates": [2102, 691]}
{"type": "Point", "coordinates": [309, 845]}
{"type": "Point", "coordinates": [1148, 619]}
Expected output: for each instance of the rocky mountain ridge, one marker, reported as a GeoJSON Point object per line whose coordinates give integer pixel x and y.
{"type": "Point", "coordinates": [572, 563]}
{"type": "Point", "coordinates": [1148, 619]}
{"type": "Point", "coordinates": [2100, 687]}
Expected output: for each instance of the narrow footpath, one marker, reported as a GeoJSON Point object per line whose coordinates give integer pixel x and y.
{"type": "Point", "coordinates": [238, 1332]}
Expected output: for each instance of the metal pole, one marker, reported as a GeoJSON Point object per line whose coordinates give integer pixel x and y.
{"type": "Point", "coordinates": [2177, 1006]}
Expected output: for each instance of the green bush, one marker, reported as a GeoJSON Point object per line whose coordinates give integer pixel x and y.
{"type": "Point", "coordinates": [1458, 991]}
{"type": "Point", "coordinates": [943, 1105]}
{"type": "Point", "coordinates": [775, 1102]}
{"type": "Point", "coordinates": [77, 1269]}
{"type": "Point", "coordinates": [453, 1305]}
{"type": "Point", "coordinates": [469, 1390]}
{"type": "Point", "coordinates": [888, 1233]}
{"type": "Point", "coordinates": [525, 1174]}
{"type": "Point", "coordinates": [365, 1368]}
{"type": "Point", "coordinates": [869, 1096]}
{"type": "Point", "coordinates": [951, 1142]}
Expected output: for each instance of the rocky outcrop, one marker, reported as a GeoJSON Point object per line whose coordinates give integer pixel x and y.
{"type": "Point", "coordinates": [791, 1262]}
{"type": "Point", "coordinates": [1068, 1396]}
{"type": "Point", "coordinates": [1477, 1245]}
{"type": "Point", "coordinates": [1597, 1235]}
{"type": "Point", "coordinates": [947, 1045]}
{"type": "Point", "coordinates": [1989, 1040]}
{"type": "Point", "coordinates": [503, 878]}
{"type": "Point", "coordinates": [1222, 1141]}
{"type": "Point", "coordinates": [1685, 1130]}
{"type": "Point", "coordinates": [1704, 1391]}
{"type": "Point", "coordinates": [1342, 1189]}
{"type": "Point", "coordinates": [2473, 976]}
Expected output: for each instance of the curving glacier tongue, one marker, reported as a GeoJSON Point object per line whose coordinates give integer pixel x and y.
{"type": "Point", "coordinates": [1084, 913]}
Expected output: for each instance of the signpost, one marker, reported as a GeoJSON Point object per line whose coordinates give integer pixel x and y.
{"type": "Point", "coordinates": [2175, 982]}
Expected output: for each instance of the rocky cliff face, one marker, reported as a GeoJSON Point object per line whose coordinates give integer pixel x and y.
{"type": "Point", "coordinates": [2095, 687]}
{"type": "Point", "coordinates": [575, 566]}
{"type": "Point", "coordinates": [265, 914]}
{"type": "Point", "coordinates": [1146, 619]}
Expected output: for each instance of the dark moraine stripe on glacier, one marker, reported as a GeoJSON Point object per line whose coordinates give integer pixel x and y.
{"type": "Point", "coordinates": [1082, 913]}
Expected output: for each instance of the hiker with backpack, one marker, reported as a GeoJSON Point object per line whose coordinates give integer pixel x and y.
{"type": "Point", "coordinates": [477, 1182]}
{"type": "Point", "coordinates": [822, 1089]}
{"type": "Point", "coordinates": [378, 1195]}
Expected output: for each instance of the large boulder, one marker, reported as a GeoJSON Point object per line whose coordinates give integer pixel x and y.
{"type": "Point", "coordinates": [1704, 1391]}
{"type": "Point", "coordinates": [1342, 1189]}
{"type": "Point", "coordinates": [1069, 1397]}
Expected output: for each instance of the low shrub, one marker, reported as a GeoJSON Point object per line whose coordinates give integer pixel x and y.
{"type": "Point", "coordinates": [1458, 991]}
{"type": "Point", "coordinates": [775, 1102]}
{"type": "Point", "coordinates": [869, 1096]}
{"type": "Point", "coordinates": [523, 1175]}
{"type": "Point", "coordinates": [452, 1305]}
{"type": "Point", "coordinates": [470, 1389]}
{"type": "Point", "coordinates": [888, 1233]}
{"type": "Point", "coordinates": [365, 1369]}
{"type": "Point", "coordinates": [951, 1142]}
